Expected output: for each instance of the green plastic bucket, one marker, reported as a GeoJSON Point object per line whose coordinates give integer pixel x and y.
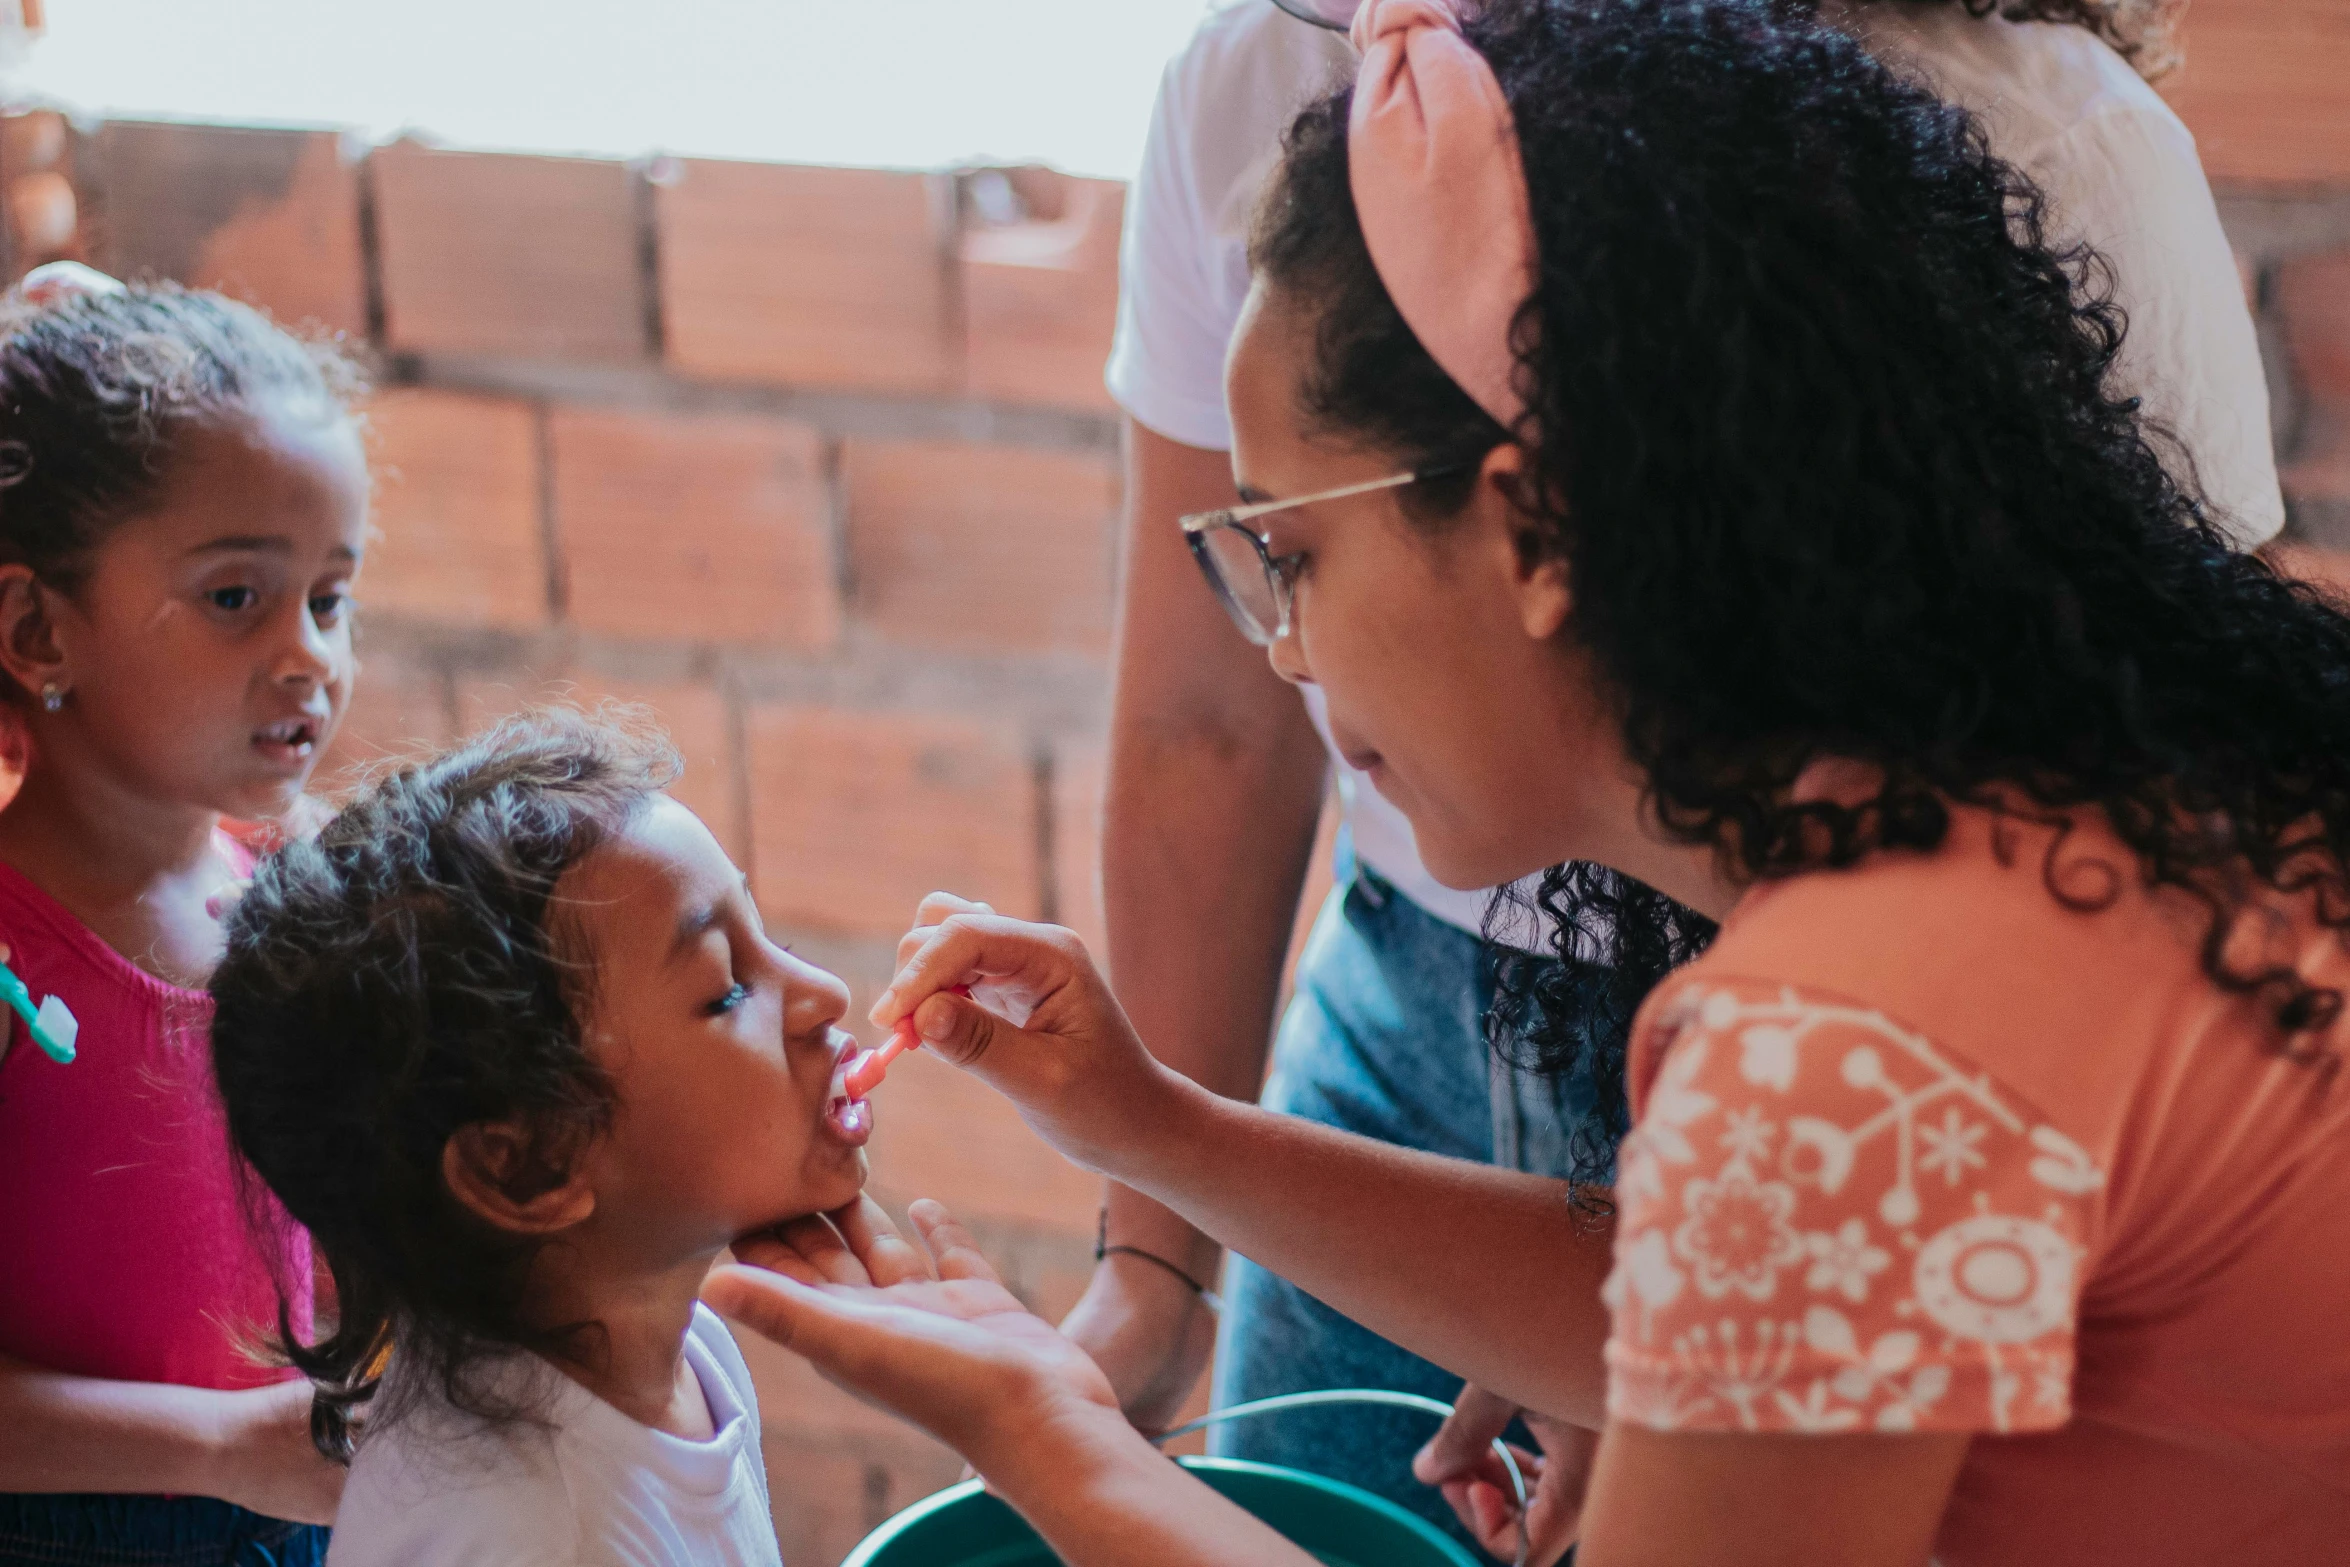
{"type": "Point", "coordinates": [1340, 1525]}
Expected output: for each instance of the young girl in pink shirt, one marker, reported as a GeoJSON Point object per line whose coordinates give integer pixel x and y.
{"type": "Point", "coordinates": [183, 508]}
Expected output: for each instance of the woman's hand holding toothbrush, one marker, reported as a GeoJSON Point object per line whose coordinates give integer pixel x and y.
{"type": "Point", "coordinates": [1022, 1007]}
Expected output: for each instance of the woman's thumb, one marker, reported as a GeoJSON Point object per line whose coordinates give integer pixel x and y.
{"type": "Point", "coordinates": [769, 1304]}
{"type": "Point", "coordinates": [844, 1337]}
{"type": "Point", "coordinates": [957, 1027]}
{"type": "Point", "coordinates": [1461, 1445]}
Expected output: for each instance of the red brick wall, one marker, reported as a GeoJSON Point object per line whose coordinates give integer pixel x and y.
{"type": "Point", "coordinates": [819, 469]}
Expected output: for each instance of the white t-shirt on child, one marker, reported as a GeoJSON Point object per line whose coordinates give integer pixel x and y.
{"type": "Point", "coordinates": [586, 1486]}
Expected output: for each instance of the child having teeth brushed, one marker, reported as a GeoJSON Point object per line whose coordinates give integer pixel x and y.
{"type": "Point", "coordinates": [510, 1039]}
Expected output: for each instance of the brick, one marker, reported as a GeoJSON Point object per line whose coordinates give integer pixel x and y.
{"type": "Point", "coordinates": [398, 710]}
{"type": "Point", "coordinates": [2262, 89]}
{"type": "Point", "coordinates": [1080, 773]}
{"type": "Point", "coordinates": [485, 253]}
{"type": "Point", "coordinates": [1080, 776]}
{"type": "Point", "coordinates": [821, 1497]}
{"type": "Point", "coordinates": [704, 528]}
{"type": "Point", "coordinates": [42, 210]}
{"type": "Point", "coordinates": [857, 815]}
{"type": "Point", "coordinates": [809, 276]}
{"type": "Point", "coordinates": [940, 1132]}
{"type": "Point", "coordinates": [2312, 298]}
{"type": "Point", "coordinates": [270, 217]}
{"type": "Point", "coordinates": [457, 508]}
{"type": "Point", "coordinates": [1040, 299]}
{"type": "Point", "coordinates": [692, 714]}
{"type": "Point", "coordinates": [44, 218]}
{"type": "Point", "coordinates": [827, 1499]}
{"type": "Point", "coordinates": [38, 140]}
{"type": "Point", "coordinates": [980, 547]}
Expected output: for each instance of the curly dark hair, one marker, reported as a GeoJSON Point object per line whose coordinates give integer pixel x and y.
{"type": "Point", "coordinates": [400, 977]}
{"type": "Point", "coordinates": [1821, 427]}
{"type": "Point", "coordinates": [96, 387]}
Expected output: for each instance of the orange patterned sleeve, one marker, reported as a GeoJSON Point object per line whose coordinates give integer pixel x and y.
{"type": "Point", "coordinates": [1828, 1222]}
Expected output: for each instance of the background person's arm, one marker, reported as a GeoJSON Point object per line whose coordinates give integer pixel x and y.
{"type": "Point", "coordinates": [1216, 780]}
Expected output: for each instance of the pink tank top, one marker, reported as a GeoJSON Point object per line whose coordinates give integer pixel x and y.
{"type": "Point", "coordinates": [125, 1250]}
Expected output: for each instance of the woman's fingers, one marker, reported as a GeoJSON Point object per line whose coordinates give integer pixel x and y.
{"type": "Point", "coordinates": [1460, 1459]}
{"type": "Point", "coordinates": [939, 906]}
{"type": "Point", "coordinates": [976, 949]}
{"type": "Point", "coordinates": [951, 1246]}
{"type": "Point", "coordinates": [1555, 1519]}
{"type": "Point", "coordinates": [793, 1313]}
{"type": "Point", "coordinates": [856, 1244]}
{"type": "Point", "coordinates": [823, 1249]}
{"type": "Point", "coordinates": [770, 1251]}
{"type": "Point", "coordinates": [889, 1258]}
{"type": "Point", "coordinates": [1463, 1445]}
{"type": "Point", "coordinates": [931, 913]}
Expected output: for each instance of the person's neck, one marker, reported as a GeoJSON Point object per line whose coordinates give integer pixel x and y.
{"type": "Point", "coordinates": [1688, 873]}
{"type": "Point", "coordinates": [1618, 828]}
{"type": "Point", "coordinates": [635, 1360]}
{"type": "Point", "coordinates": [98, 846]}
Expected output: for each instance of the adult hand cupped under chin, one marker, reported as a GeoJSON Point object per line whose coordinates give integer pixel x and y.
{"type": "Point", "coordinates": [931, 1335]}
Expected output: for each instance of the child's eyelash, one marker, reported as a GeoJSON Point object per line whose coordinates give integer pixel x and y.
{"type": "Point", "coordinates": [734, 997]}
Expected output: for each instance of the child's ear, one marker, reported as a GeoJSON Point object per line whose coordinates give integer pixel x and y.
{"type": "Point", "coordinates": [28, 642]}
{"type": "Point", "coordinates": [502, 1173]}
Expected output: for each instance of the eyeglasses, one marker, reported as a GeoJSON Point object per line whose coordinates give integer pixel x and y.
{"type": "Point", "coordinates": [1254, 585]}
{"type": "Point", "coordinates": [1337, 15]}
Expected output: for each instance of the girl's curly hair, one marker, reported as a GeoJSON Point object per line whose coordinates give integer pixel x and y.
{"type": "Point", "coordinates": [1823, 430]}
{"type": "Point", "coordinates": [396, 979]}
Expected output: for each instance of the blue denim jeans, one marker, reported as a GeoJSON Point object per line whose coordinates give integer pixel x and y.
{"type": "Point", "coordinates": [149, 1531]}
{"type": "Point", "coordinates": [1384, 1037]}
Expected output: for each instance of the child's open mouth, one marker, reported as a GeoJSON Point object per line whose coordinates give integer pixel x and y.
{"type": "Point", "coordinates": [289, 742]}
{"type": "Point", "coordinates": [847, 1116]}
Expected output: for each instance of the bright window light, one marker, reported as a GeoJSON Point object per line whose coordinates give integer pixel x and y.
{"type": "Point", "coordinates": [887, 83]}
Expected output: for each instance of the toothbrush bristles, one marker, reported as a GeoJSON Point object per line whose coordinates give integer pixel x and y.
{"type": "Point", "coordinates": [57, 1021]}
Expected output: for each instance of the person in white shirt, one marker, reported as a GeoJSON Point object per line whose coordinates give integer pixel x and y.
{"type": "Point", "coordinates": [509, 1040]}
{"type": "Point", "coordinates": [1217, 772]}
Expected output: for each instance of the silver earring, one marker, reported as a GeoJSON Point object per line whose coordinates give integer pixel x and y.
{"type": "Point", "coordinates": [53, 697]}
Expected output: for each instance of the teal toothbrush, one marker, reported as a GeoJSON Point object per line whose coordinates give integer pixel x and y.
{"type": "Point", "coordinates": [52, 1025]}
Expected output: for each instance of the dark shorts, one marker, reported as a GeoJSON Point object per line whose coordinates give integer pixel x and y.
{"type": "Point", "coordinates": [149, 1531]}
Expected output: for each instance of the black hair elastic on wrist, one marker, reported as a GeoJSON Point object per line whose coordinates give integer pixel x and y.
{"type": "Point", "coordinates": [1102, 1248]}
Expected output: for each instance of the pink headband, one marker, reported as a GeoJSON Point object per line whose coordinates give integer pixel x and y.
{"type": "Point", "coordinates": [1440, 191]}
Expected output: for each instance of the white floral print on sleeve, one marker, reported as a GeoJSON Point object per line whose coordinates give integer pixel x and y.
{"type": "Point", "coordinates": [1830, 1223]}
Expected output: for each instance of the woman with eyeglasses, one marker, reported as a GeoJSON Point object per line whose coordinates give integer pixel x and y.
{"type": "Point", "coordinates": [1695, 461]}
{"type": "Point", "coordinates": [1384, 1036]}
